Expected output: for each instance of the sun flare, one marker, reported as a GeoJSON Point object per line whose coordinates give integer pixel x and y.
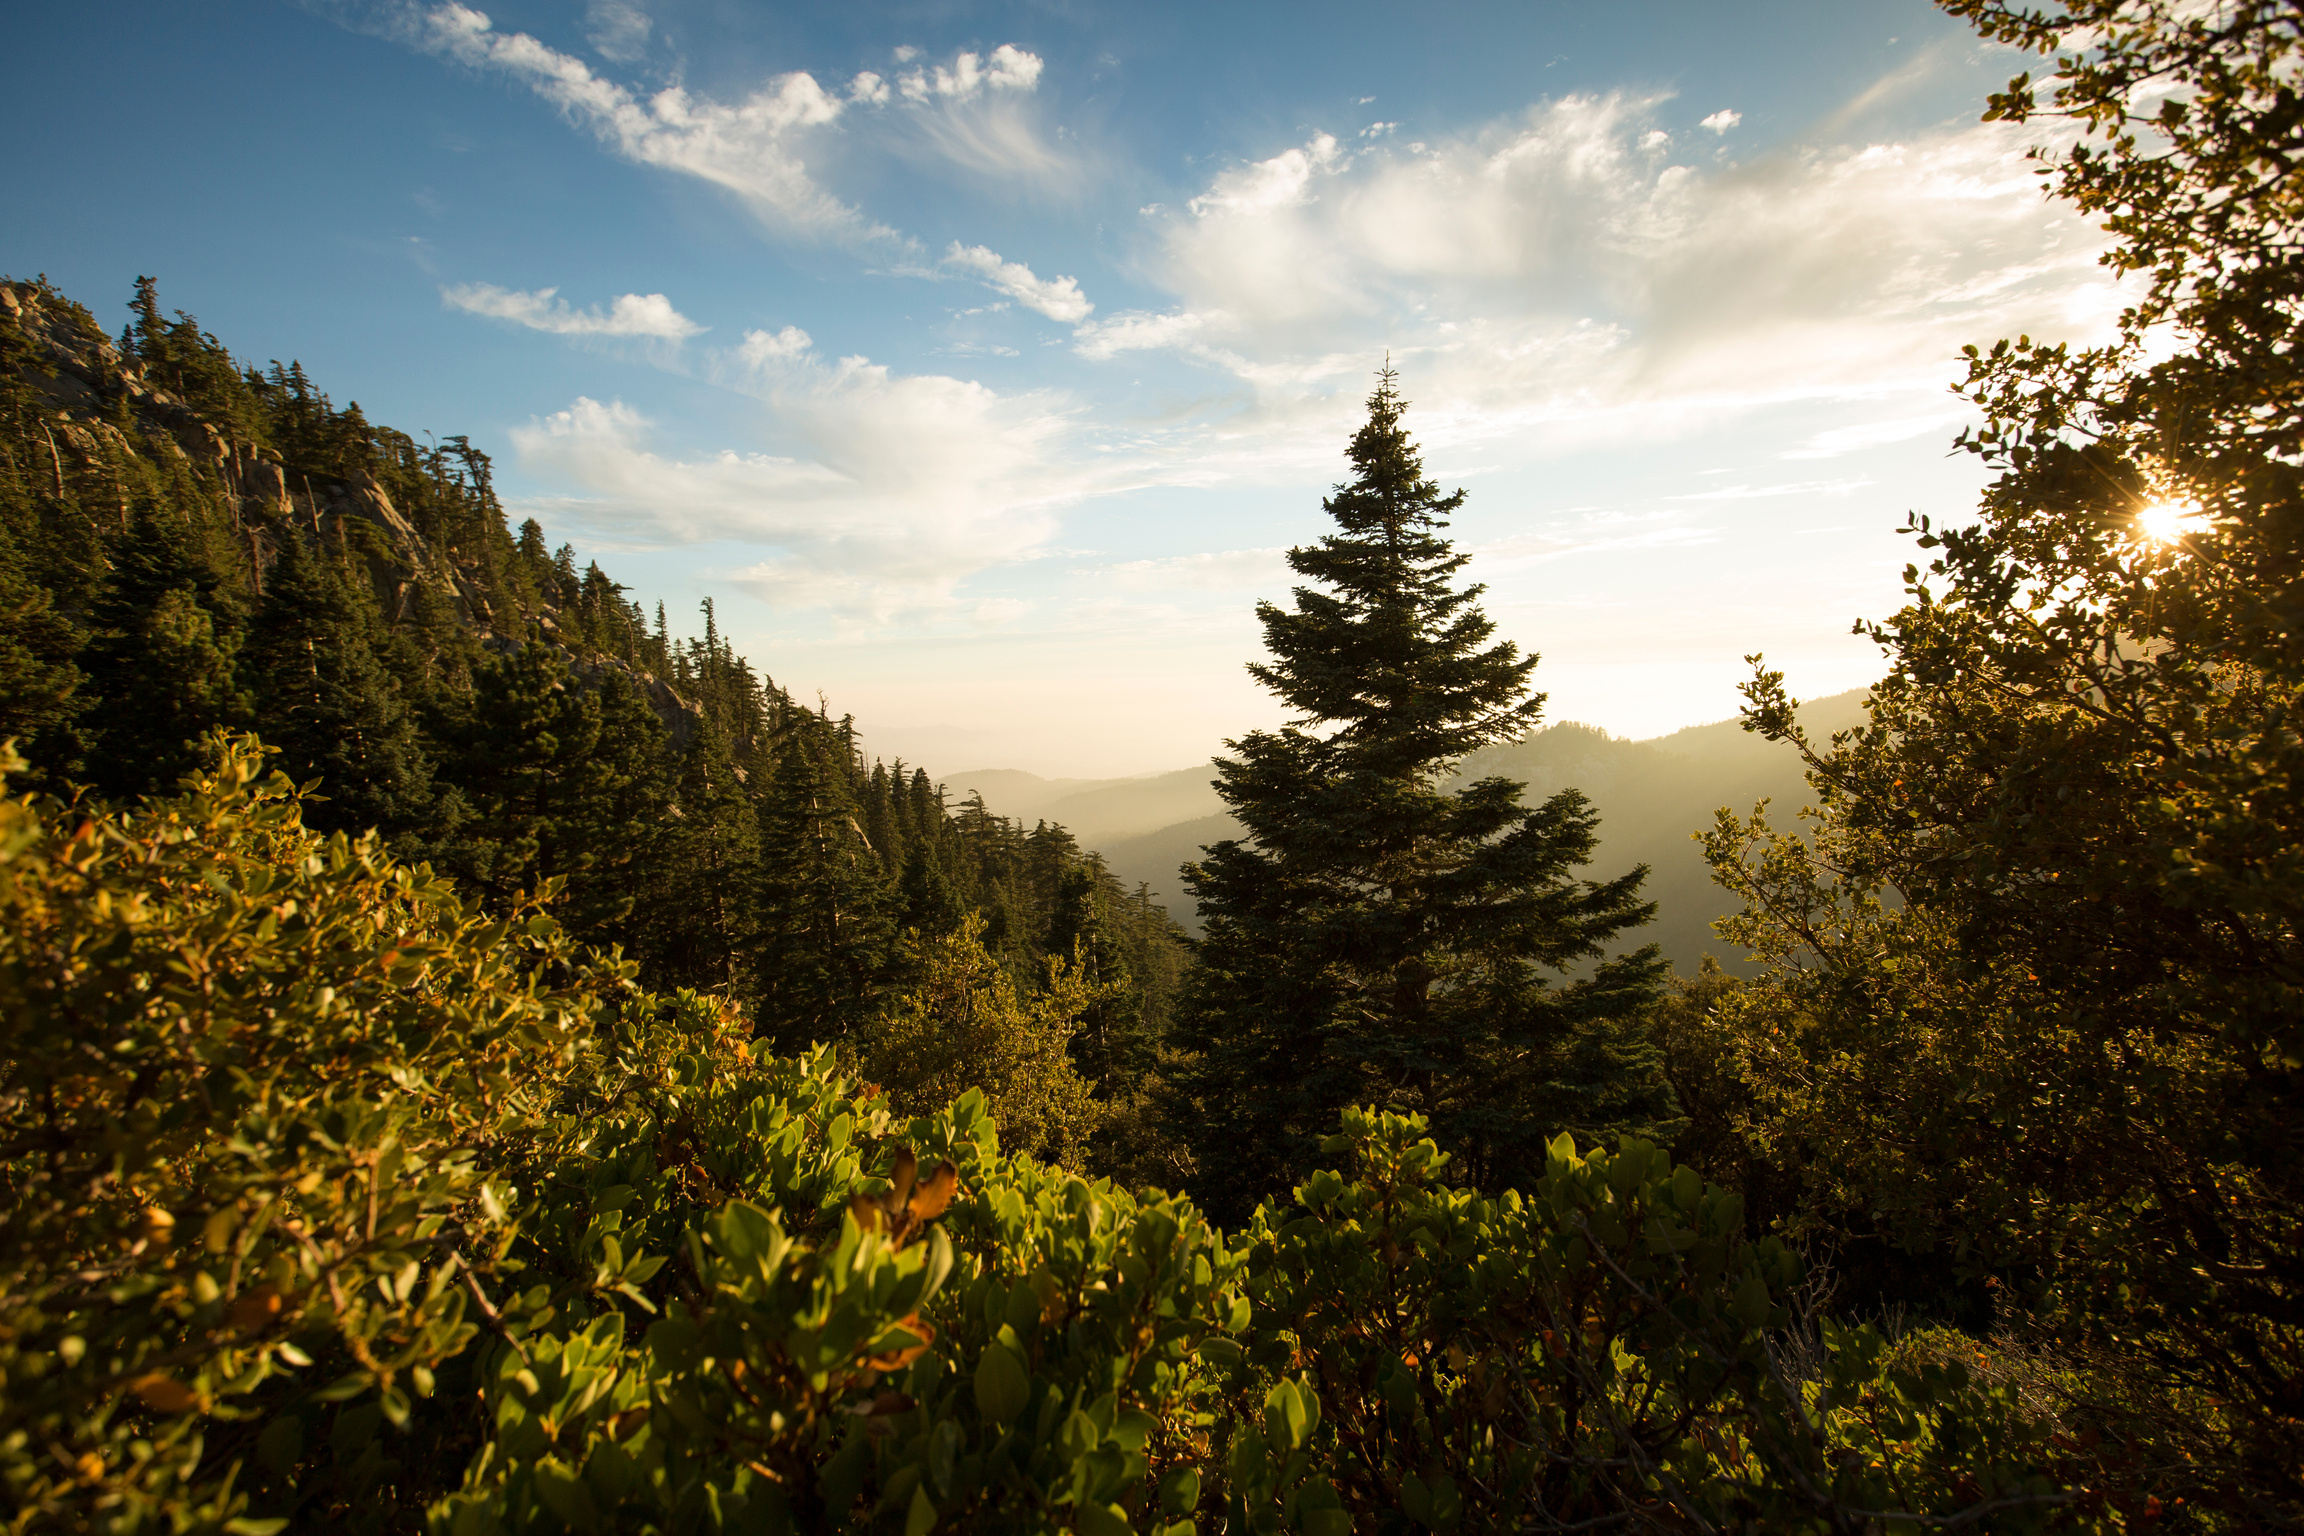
{"type": "Point", "coordinates": [2165, 522]}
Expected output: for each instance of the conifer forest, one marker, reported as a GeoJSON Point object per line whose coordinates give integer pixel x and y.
{"type": "Point", "coordinates": [480, 1056]}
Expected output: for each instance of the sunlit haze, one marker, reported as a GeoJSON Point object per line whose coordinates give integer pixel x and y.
{"type": "Point", "coordinates": [981, 363]}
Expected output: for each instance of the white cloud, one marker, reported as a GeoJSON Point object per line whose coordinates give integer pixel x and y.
{"type": "Point", "coordinates": [759, 148]}
{"type": "Point", "coordinates": [1872, 434]}
{"type": "Point", "coordinates": [751, 148]}
{"type": "Point", "coordinates": [1139, 332]}
{"type": "Point", "coordinates": [874, 495]}
{"type": "Point", "coordinates": [1553, 277]}
{"type": "Point", "coordinates": [1009, 68]}
{"type": "Point", "coordinates": [1792, 488]}
{"type": "Point", "coordinates": [1722, 120]}
{"type": "Point", "coordinates": [617, 30]}
{"type": "Point", "coordinates": [632, 314]}
{"type": "Point", "coordinates": [762, 348]}
{"type": "Point", "coordinates": [1059, 298]}
{"type": "Point", "coordinates": [1280, 182]}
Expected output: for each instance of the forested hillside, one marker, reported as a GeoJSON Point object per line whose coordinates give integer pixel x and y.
{"type": "Point", "coordinates": [189, 543]}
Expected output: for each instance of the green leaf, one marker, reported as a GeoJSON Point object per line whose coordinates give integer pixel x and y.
{"type": "Point", "coordinates": [844, 1477]}
{"type": "Point", "coordinates": [281, 1445]}
{"type": "Point", "coordinates": [1003, 1386]}
{"type": "Point", "coordinates": [1751, 1304]}
{"type": "Point", "coordinates": [1101, 1520]}
{"type": "Point", "coordinates": [1285, 1421]}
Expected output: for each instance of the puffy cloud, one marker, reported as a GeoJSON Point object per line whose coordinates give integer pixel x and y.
{"type": "Point", "coordinates": [632, 314]}
{"type": "Point", "coordinates": [876, 494]}
{"type": "Point", "coordinates": [762, 348]}
{"type": "Point", "coordinates": [751, 148]}
{"type": "Point", "coordinates": [1009, 68]}
{"type": "Point", "coordinates": [1721, 121]}
{"type": "Point", "coordinates": [1137, 331]}
{"type": "Point", "coordinates": [1059, 298]}
{"type": "Point", "coordinates": [1554, 275]}
{"type": "Point", "coordinates": [1279, 182]}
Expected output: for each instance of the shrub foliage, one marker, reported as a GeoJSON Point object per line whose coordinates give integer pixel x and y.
{"type": "Point", "coordinates": [335, 1204]}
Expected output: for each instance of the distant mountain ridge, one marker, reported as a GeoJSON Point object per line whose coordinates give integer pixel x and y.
{"type": "Point", "coordinates": [1652, 797]}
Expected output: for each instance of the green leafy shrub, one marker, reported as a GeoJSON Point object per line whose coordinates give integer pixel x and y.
{"type": "Point", "coordinates": [850, 1333]}
{"type": "Point", "coordinates": [250, 1083]}
{"type": "Point", "coordinates": [1607, 1348]}
{"type": "Point", "coordinates": [335, 1205]}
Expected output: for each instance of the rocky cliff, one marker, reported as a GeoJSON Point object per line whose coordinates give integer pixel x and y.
{"type": "Point", "coordinates": [110, 429]}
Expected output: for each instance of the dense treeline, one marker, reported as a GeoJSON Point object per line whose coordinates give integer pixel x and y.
{"type": "Point", "coordinates": [189, 544]}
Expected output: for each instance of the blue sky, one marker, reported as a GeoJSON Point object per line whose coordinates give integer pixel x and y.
{"type": "Point", "coordinates": [980, 361]}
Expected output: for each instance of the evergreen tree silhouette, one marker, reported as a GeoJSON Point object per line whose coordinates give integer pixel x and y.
{"type": "Point", "coordinates": [1381, 936]}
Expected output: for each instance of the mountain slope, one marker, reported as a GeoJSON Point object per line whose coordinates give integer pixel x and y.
{"type": "Point", "coordinates": [1652, 797]}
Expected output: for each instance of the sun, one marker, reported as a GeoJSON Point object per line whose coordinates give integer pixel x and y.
{"type": "Point", "coordinates": [2165, 522]}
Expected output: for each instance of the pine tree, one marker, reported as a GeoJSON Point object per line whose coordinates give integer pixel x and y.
{"type": "Point", "coordinates": [521, 750]}
{"type": "Point", "coordinates": [329, 705]}
{"type": "Point", "coordinates": [160, 663]}
{"type": "Point", "coordinates": [37, 677]}
{"type": "Point", "coordinates": [1113, 1049]}
{"type": "Point", "coordinates": [924, 900]}
{"type": "Point", "coordinates": [960, 1021]}
{"type": "Point", "coordinates": [1379, 936]}
{"type": "Point", "coordinates": [821, 950]}
{"type": "Point", "coordinates": [622, 819]}
{"type": "Point", "coordinates": [707, 919]}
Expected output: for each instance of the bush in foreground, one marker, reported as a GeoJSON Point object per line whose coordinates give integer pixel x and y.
{"type": "Point", "coordinates": [332, 1203]}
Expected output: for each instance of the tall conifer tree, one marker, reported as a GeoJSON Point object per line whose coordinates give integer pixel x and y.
{"type": "Point", "coordinates": [822, 949]}
{"type": "Point", "coordinates": [330, 706]}
{"type": "Point", "coordinates": [160, 662]}
{"type": "Point", "coordinates": [625, 826]}
{"type": "Point", "coordinates": [1113, 1049]}
{"type": "Point", "coordinates": [521, 749]}
{"type": "Point", "coordinates": [1380, 936]}
{"type": "Point", "coordinates": [712, 856]}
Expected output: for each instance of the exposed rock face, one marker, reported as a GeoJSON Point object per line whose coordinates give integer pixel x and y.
{"type": "Point", "coordinates": [90, 387]}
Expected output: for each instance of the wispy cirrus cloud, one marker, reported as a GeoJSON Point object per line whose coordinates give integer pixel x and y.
{"type": "Point", "coordinates": [648, 315]}
{"type": "Point", "coordinates": [1226, 570]}
{"type": "Point", "coordinates": [618, 30]}
{"type": "Point", "coordinates": [759, 148]}
{"type": "Point", "coordinates": [1839, 487]}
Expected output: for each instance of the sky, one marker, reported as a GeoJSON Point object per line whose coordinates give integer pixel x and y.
{"type": "Point", "coordinates": [981, 362]}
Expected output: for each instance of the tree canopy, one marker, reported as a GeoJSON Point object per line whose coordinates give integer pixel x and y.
{"type": "Point", "coordinates": [1381, 935]}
